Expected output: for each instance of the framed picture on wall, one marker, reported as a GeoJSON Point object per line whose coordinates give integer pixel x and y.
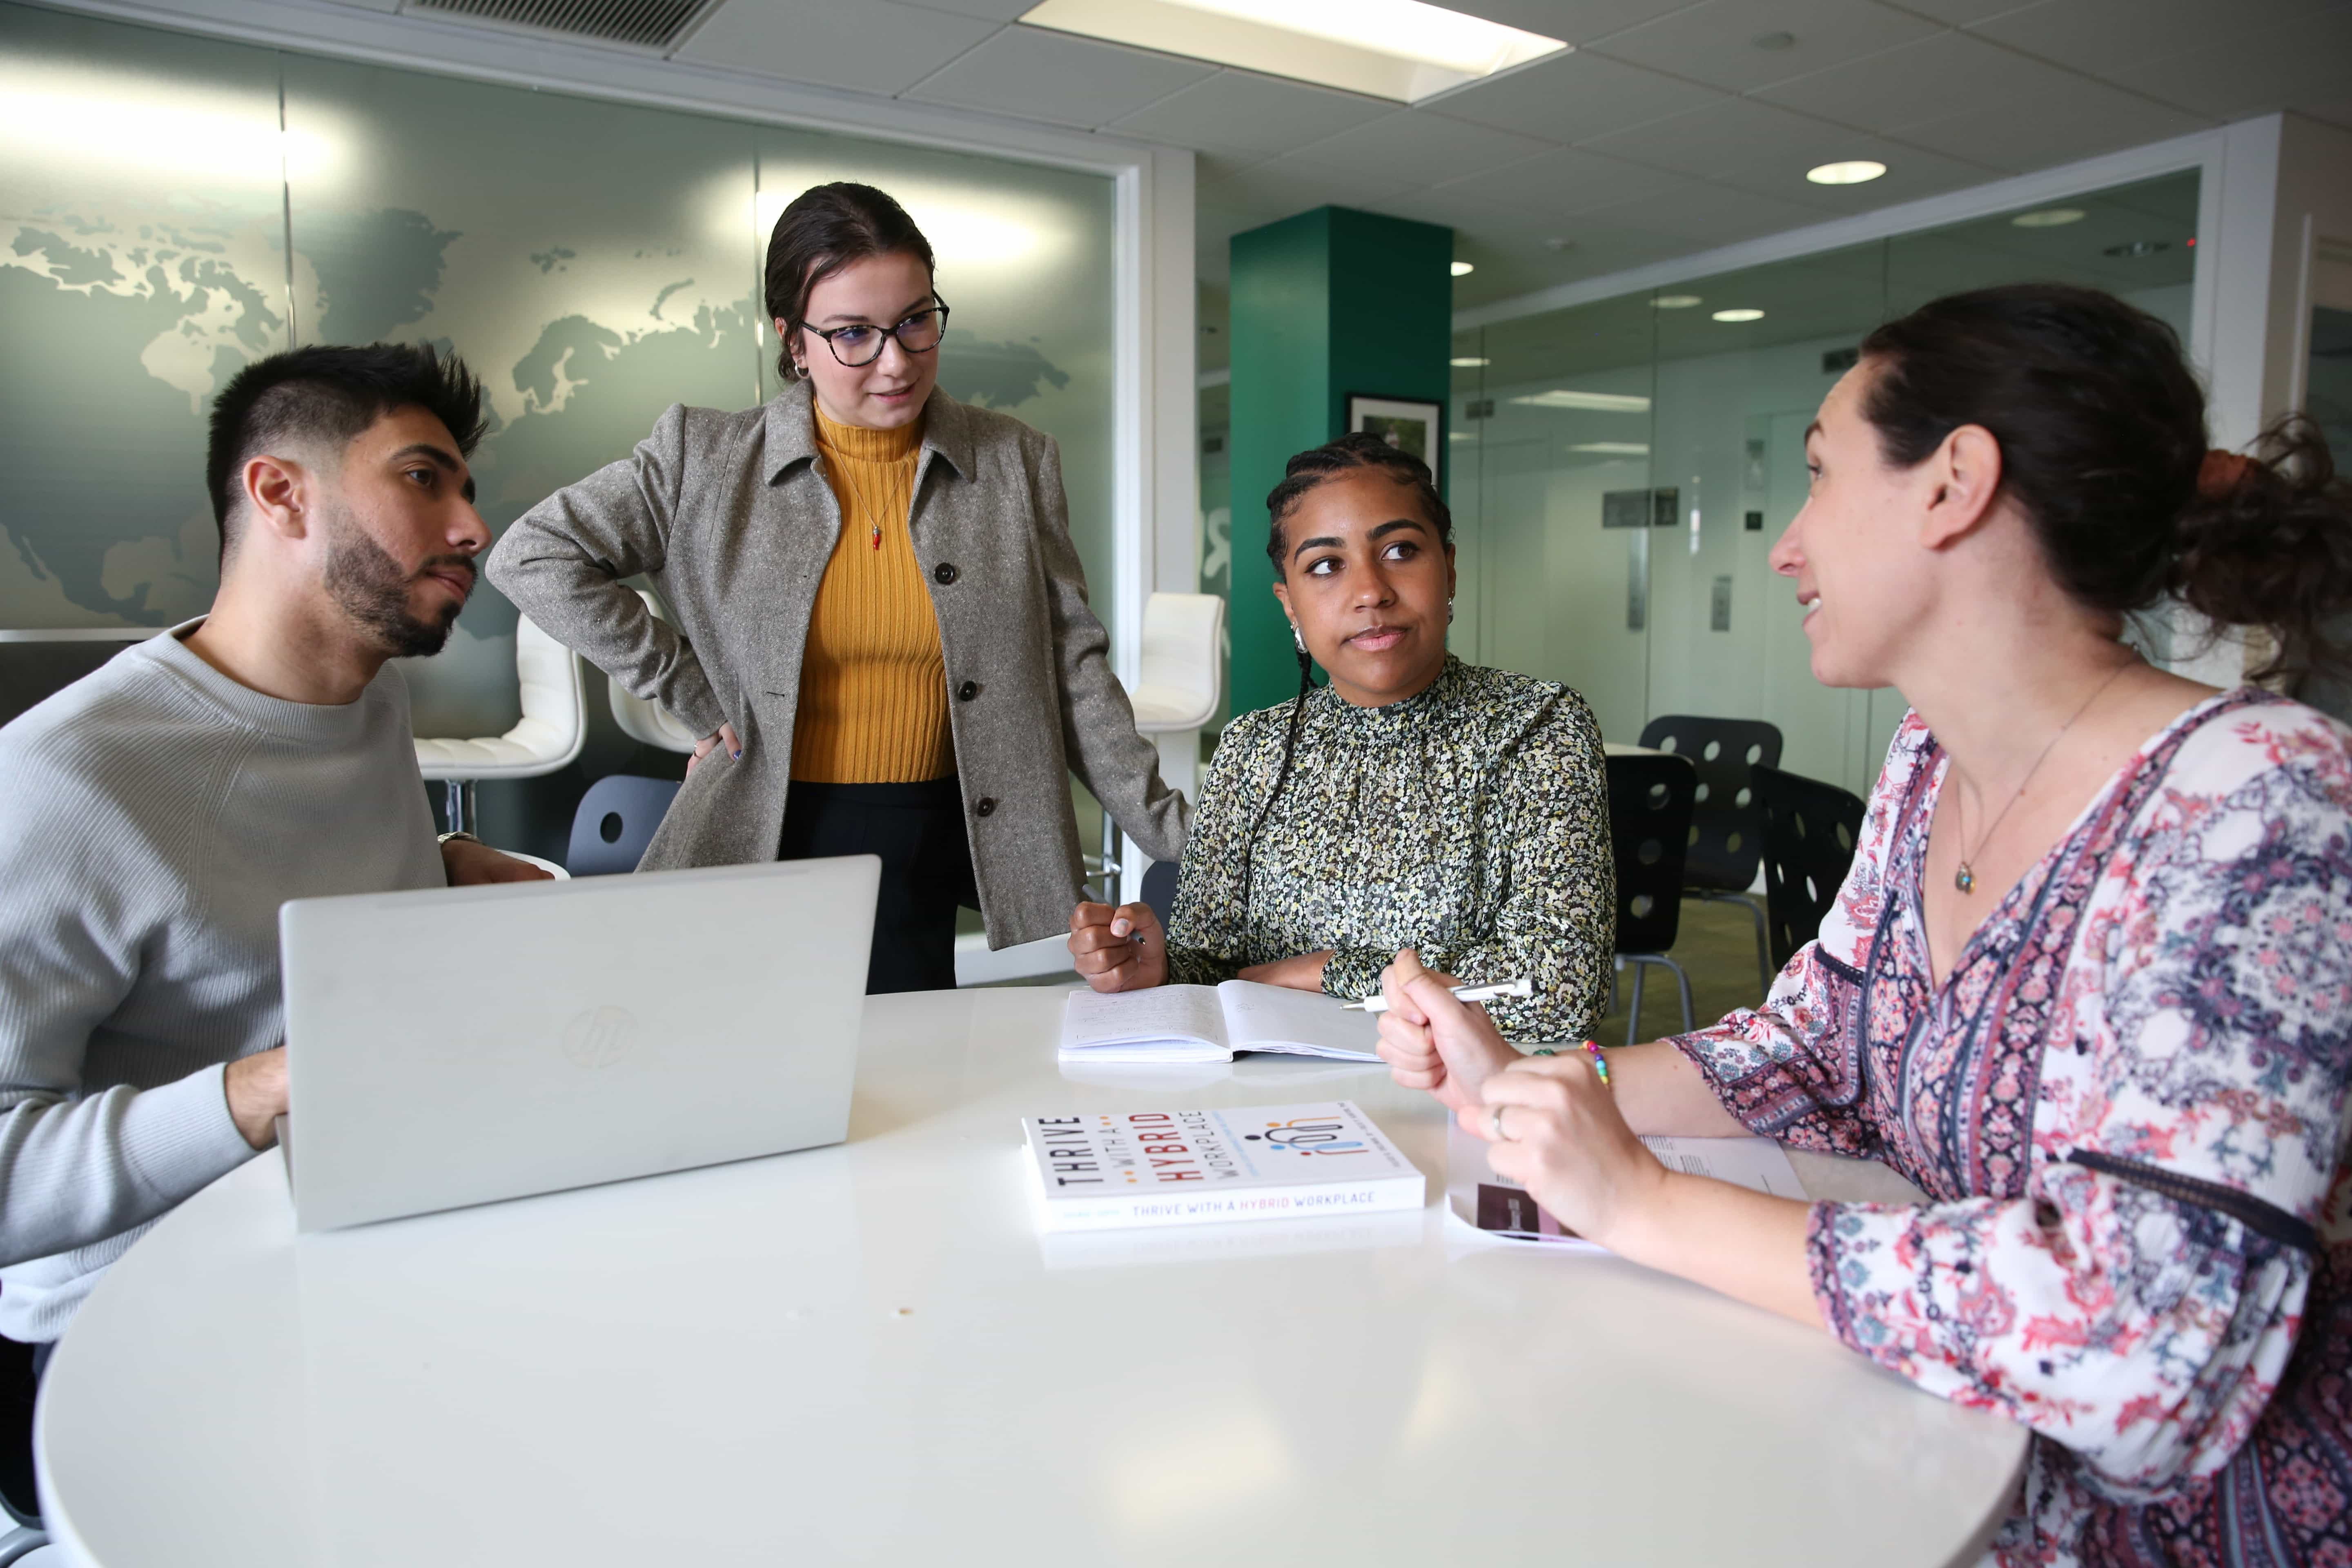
{"type": "Point", "coordinates": [1406, 423]}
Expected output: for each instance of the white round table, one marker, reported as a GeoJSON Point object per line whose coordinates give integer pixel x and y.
{"type": "Point", "coordinates": [868, 1355]}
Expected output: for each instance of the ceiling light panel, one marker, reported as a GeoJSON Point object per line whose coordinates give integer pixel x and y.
{"type": "Point", "coordinates": [1397, 50]}
{"type": "Point", "coordinates": [1592, 402]}
{"type": "Point", "coordinates": [1853, 171]}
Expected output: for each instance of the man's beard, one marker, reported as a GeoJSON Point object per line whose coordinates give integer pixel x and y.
{"type": "Point", "coordinates": [371, 588]}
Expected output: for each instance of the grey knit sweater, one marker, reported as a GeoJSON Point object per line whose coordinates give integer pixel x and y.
{"type": "Point", "coordinates": [152, 817]}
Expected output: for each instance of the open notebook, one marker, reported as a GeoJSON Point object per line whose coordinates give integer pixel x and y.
{"type": "Point", "coordinates": [1212, 1023]}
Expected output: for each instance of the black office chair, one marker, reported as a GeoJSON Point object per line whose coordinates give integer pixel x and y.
{"type": "Point", "coordinates": [1811, 829]}
{"type": "Point", "coordinates": [614, 823]}
{"type": "Point", "coordinates": [1724, 833]}
{"type": "Point", "coordinates": [1649, 829]}
{"type": "Point", "coordinates": [20, 1531]}
{"type": "Point", "coordinates": [1159, 889]}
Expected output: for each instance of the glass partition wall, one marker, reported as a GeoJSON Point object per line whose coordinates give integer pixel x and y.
{"type": "Point", "coordinates": [1622, 468]}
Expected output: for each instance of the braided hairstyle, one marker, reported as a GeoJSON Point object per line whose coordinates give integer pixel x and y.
{"type": "Point", "coordinates": [1356, 451]}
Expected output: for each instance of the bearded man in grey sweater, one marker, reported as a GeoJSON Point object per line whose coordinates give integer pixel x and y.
{"type": "Point", "coordinates": [154, 815]}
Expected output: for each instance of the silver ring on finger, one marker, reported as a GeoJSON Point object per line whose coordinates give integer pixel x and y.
{"type": "Point", "coordinates": [1495, 1125]}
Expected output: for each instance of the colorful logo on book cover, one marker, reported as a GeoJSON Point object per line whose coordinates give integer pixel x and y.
{"type": "Point", "coordinates": [1309, 1135]}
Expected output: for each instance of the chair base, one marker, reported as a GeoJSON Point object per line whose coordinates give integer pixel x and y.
{"type": "Point", "coordinates": [1640, 961]}
{"type": "Point", "coordinates": [1763, 948]}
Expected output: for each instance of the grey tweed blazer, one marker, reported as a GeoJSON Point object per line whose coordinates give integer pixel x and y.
{"type": "Point", "coordinates": [730, 516]}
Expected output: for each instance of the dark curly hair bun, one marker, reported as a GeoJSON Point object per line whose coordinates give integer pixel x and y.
{"type": "Point", "coordinates": [2102, 431]}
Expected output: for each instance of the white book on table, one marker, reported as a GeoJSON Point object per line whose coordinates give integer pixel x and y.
{"type": "Point", "coordinates": [1100, 1170]}
{"type": "Point", "coordinates": [1212, 1023]}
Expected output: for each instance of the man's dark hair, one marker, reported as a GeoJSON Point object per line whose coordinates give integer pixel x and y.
{"type": "Point", "coordinates": [326, 395]}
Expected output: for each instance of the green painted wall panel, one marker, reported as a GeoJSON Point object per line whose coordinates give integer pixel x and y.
{"type": "Point", "coordinates": [1328, 303]}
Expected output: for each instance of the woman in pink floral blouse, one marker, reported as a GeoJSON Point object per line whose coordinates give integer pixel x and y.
{"type": "Point", "coordinates": [2089, 983]}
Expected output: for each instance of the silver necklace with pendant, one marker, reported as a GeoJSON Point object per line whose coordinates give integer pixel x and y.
{"type": "Point", "coordinates": [1964, 878]}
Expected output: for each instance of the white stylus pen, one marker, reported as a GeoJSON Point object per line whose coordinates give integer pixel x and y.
{"type": "Point", "coordinates": [1522, 987]}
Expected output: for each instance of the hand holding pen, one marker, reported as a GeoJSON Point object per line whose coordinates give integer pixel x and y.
{"type": "Point", "coordinates": [1121, 948]}
{"type": "Point", "coordinates": [1522, 988]}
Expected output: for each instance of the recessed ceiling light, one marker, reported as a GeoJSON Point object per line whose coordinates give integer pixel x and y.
{"type": "Point", "coordinates": [1592, 402]}
{"type": "Point", "coordinates": [1469, 363]}
{"type": "Point", "coordinates": [2048, 217]}
{"type": "Point", "coordinates": [1397, 50]}
{"type": "Point", "coordinates": [1463, 269]}
{"type": "Point", "coordinates": [2137, 248]}
{"type": "Point", "coordinates": [1854, 172]}
{"type": "Point", "coordinates": [1612, 448]}
{"type": "Point", "coordinates": [1677, 302]}
{"type": "Point", "coordinates": [1741, 314]}
{"type": "Point", "coordinates": [1462, 435]}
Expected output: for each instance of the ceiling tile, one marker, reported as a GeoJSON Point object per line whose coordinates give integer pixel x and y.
{"type": "Point", "coordinates": [1964, 13]}
{"type": "Point", "coordinates": [2306, 64]}
{"type": "Point", "coordinates": [1911, 173]}
{"type": "Point", "coordinates": [987, 10]}
{"type": "Point", "coordinates": [1577, 21]}
{"type": "Point", "coordinates": [2090, 117]}
{"type": "Point", "coordinates": [1241, 111]}
{"type": "Point", "coordinates": [880, 46]}
{"type": "Point", "coordinates": [1279, 188]}
{"type": "Point", "coordinates": [1571, 97]}
{"type": "Point", "coordinates": [1564, 182]}
{"type": "Point", "coordinates": [1730, 135]}
{"type": "Point", "coordinates": [1038, 75]}
{"type": "Point", "coordinates": [2102, 36]}
{"type": "Point", "coordinates": [1716, 42]}
{"type": "Point", "coordinates": [1604, 254]}
{"type": "Point", "coordinates": [1949, 74]}
{"type": "Point", "coordinates": [1419, 148]}
{"type": "Point", "coordinates": [1766, 150]}
{"type": "Point", "coordinates": [1708, 213]}
{"type": "Point", "coordinates": [1208, 167]}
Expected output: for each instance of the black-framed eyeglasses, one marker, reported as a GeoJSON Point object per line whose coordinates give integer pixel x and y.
{"type": "Point", "coordinates": [858, 344]}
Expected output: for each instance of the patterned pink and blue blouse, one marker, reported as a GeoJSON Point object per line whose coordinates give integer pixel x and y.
{"type": "Point", "coordinates": [2127, 1105]}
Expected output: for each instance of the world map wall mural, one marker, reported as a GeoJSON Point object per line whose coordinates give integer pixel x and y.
{"type": "Point", "coordinates": [593, 263]}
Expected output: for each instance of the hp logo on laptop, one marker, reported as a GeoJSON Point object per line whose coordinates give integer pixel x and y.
{"type": "Point", "coordinates": [600, 1037]}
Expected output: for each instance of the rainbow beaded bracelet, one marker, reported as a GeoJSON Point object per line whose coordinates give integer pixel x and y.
{"type": "Point", "coordinates": [1600, 1062]}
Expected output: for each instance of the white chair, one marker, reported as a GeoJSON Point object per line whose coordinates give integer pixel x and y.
{"type": "Point", "coordinates": [553, 727]}
{"type": "Point", "coordinates": [647, 722]}
{"type": "Point", "coordinates": [1177, 692]}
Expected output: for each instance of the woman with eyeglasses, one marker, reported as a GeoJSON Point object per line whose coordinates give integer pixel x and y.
{"type": "Point", "coordinates": [880, 626]}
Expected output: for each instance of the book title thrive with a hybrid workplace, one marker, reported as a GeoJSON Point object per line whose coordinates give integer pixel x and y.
{"type": "Point", "coordinates": [1151, 1166]}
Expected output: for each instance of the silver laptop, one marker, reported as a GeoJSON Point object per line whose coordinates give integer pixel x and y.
{"type": "Point", "coordinates": [453, 1048]}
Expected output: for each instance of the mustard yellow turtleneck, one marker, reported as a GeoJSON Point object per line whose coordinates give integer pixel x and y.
{"type": "Point", "coordinates": [874, 692]}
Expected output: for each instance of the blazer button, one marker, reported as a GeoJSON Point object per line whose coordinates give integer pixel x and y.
{"type": "Point", "coordinates": [968, 690]}
{"type": "Point", "coordinates": [984, 806]}
{"type": "Point", "coordinates": [944, 572]}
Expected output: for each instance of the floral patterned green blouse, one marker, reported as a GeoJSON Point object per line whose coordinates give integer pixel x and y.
{"type": "Point", "coordinates": [1470, 821]}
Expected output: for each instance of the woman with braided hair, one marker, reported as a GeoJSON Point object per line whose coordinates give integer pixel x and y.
{"type": "Point", "coordinates": [1414, 801]}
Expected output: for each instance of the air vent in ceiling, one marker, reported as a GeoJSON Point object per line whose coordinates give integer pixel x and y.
{"type": "Point", "coordinates": [647, 24]}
